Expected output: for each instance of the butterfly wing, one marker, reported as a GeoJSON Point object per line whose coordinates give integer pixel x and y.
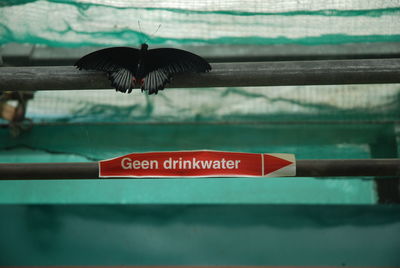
{"type": "Point", "coordinates": [160, 64]}
{"type": "Point", "coordinates": [121, 80]}
{"type": "Point", "coordinates": [119, 62]}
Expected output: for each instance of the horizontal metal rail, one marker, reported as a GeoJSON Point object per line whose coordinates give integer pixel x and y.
{"type": "Point", "coordinates": [304, 168]}
{"type": "Point", "coordinates": [278, 73]}
{"type": "Point", "coordinates": [15, 54]}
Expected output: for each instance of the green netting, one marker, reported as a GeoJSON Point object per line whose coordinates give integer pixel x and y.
{"type": "Point", "coordinates": [267, 104]}
{"type": "Point", "coordinates": [104, 22]}
{"type": "Point", "coordinates": [314, 110]}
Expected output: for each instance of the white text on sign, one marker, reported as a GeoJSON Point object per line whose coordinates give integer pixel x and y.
{"type": "Point", "coordinates": [171, 163]}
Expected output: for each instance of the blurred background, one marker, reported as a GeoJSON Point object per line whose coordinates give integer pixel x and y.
{"type": "Point", "coordinates": [244, 221]}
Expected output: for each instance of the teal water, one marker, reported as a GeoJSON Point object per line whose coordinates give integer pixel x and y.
{"type": "Point", "coordinates": [168, 235]}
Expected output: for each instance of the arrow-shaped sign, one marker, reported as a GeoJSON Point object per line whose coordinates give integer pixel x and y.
{"type": "Point", "coordinates": [202, 163]}
{"type": "Point", "coordinates": [279, 165]}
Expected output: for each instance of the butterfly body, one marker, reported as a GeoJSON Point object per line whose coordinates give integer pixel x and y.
{"type": "Point", "coordinates": [140, 70]}
{"type": "Point", "coordinates": [150, 69]}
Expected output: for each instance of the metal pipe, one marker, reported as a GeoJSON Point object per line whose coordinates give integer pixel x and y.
{"type": "Point", "coordinates": [347, 167]}
{"type": "Point", "coordinates": [280, 73]}
{"type": "Point", "coordinates": [49, 171]}
{"type": "Point", "coordinates": [305, 168]}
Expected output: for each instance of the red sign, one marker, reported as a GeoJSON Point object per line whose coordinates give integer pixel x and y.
{"type": "Point", "coordinates": [198, 164]}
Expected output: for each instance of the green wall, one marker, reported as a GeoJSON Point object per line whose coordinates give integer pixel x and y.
{"type": "Point", "coordinates": [340, 236]}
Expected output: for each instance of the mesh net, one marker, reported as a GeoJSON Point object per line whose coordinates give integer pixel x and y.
{"type": "Point", "coordinates": [268, 104]}
{"type": "Point", "coordinates": [290, 26]}
{"type": "Point", "coordinates": [79, 23]}
{"type": "Point", "coordinates": [209, 23]}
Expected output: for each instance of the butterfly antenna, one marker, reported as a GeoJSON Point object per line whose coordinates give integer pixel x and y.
{"type": "Point", "coordinates": [151, 35]}
{"type": "Point", "coordinates": [158, 28]}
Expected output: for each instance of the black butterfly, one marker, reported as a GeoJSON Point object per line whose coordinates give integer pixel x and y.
{"type": "Point", "coordinates": [152, 69]}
